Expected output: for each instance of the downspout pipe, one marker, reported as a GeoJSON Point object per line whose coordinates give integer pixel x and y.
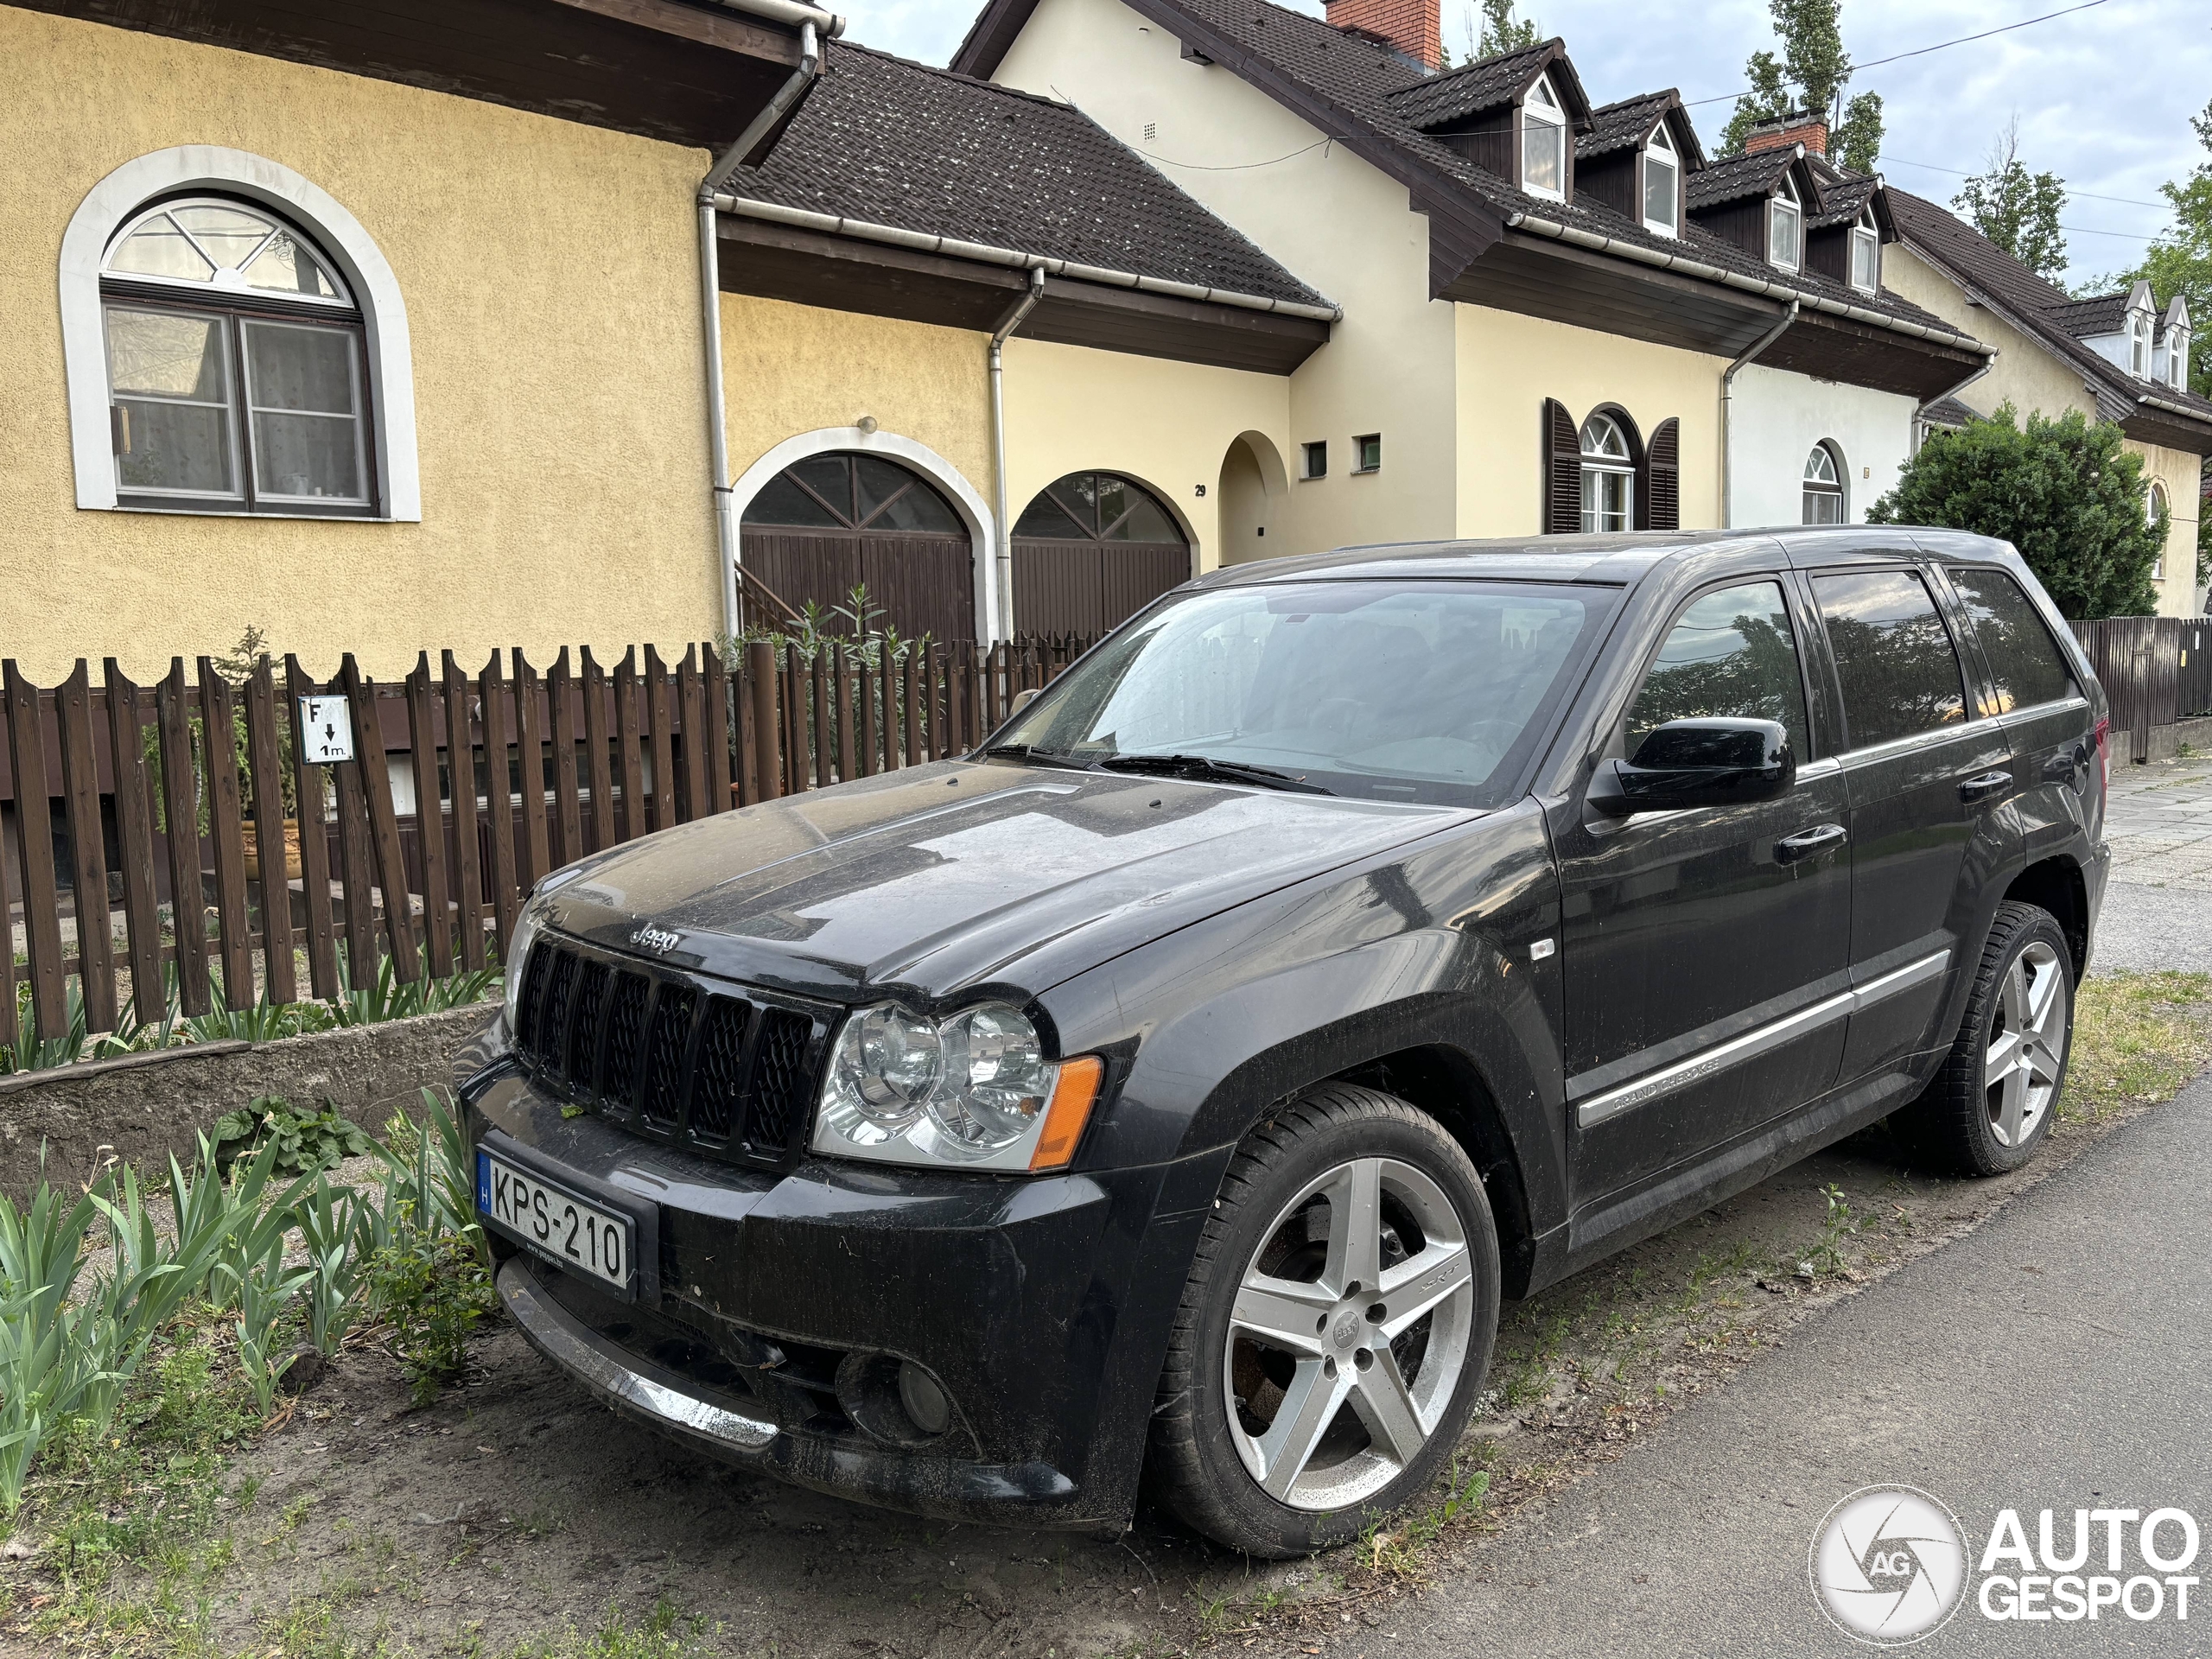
{"type": "Point", "coordinates": [1920, 414]}
{"type": "Point", "coordinates": [1002, 529]}
{"type": "Point", "coordinates": [1727, 397]}
{"type": "Point", "coordinates": [710, 308]}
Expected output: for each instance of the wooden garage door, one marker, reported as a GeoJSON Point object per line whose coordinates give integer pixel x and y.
{"type": "Point", "coordinates": [1090, 551]}
{"type": "Point", "coordinates": [831, 523]}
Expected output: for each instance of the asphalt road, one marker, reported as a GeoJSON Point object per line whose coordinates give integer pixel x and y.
{"type": "Point", "coordinates": [2059, 1357]}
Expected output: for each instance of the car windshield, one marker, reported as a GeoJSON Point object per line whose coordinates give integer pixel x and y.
{"type": "Point", "coordinates": [1431, 691]}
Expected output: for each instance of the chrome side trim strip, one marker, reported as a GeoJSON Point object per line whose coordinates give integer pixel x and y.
{"type": "Point", "coordinates": [1665, 1081]}
{"type": "Point", "coordinates": [1900, 979]}
{"type": "Point", "coordinates": [1984, 726]}
{"type": "Point", "coordinates": [556, 1334]}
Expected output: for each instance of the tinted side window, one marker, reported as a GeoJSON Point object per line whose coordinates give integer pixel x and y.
{"type": "Point", "coordinates": [1899, 669]}
{"type": "Point", "coordinates": [1730, 653]}
{"type": "Point", "coordinates": [2023, 659]}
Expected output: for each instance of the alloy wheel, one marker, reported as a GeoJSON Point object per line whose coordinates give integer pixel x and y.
{"type": "Point", "coordinates": [2027, 1041]}
{"type": "Point", "coordinates": [1348, 1334]}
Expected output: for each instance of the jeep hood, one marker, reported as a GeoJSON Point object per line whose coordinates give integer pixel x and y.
{"type": "Point", "coordinates": [943, 877]}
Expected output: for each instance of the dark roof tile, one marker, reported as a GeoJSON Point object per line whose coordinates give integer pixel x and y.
{"type": "Point", "coordinates": [1738, 177]}
{"type": "Point", "coordinates": [1618, 126]}
{"type": "Point", "coordinates": [1471, 89]}
{"type": "Point", "coordinates": [2101, 314]}
{"type": "Point", "coordinates": [899, 143]}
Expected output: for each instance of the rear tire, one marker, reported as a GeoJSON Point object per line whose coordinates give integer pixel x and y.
{"type": "Point", "coordinates": [1335, 1330]}
{"type": "Point", "coordinates": [1990, 1105]}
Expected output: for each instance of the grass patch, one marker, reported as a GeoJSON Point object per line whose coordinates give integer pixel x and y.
{"type": "Point", "coordinates": [2137, 1038]}
{"type": "Point", "coordinates": [663, 1633]}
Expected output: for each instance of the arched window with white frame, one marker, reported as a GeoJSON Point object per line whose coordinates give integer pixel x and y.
{"type": "Point", "coordinates": [1543, 142]}
{"type": "Point", "coordinates": [1866, 252]}
{"type": "Point", "coordinates": [235, 343]}
{"type": "Point", "coordinates": [1608, 476]}
{"type": "Point", "coordinates": [2139, 344]}
{"type": "Point", "coordinates": [1663, 178]}
{"type": "Point", "coordinates": [1785, 226]}
{"type": "Point", "coordinates": [2159, 506]}
{"type": "Point", "coordinates": [236, 367]}
{"type": "Point", "coordinates": [1823, 490]}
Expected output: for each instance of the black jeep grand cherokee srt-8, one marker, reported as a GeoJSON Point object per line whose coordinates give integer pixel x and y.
{"type": "Point", "coordinates": [1179, 1082]}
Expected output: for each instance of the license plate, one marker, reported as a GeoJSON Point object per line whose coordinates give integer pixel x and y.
{"type": "Point", "coordinates": [558, 1224]}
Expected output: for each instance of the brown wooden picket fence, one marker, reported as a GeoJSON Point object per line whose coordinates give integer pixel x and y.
{"type": "Point", "coordinates": [121, 805]}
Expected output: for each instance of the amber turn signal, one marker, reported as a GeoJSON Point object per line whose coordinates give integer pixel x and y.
{"type": "Point", "coordinates": [1068, 1111]}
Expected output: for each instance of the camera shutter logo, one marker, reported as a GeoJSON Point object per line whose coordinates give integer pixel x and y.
{"type": "Point", "coordinates": [1889, 1565]}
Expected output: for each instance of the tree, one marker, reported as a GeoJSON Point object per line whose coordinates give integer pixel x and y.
{"type": "Point", "coordinates": [1810, 74]}
{"type": "Point", "coordinates": [2179, 260]}
{"type": "Point", "coordinates": [1502, 31]}
{"type": "Point", "coordinates": [2063, 492]}
{"type": "Point", "coordinates": [2016, 209]}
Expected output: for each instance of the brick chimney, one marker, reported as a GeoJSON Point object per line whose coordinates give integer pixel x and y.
{"type": "Point", "coordinates": [1407, 26]}
{"type": "Point", "coordinates": [1799, 127]}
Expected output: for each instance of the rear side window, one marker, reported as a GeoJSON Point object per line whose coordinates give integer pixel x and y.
{"type": "Point", "coordinates": [1730, 653]}
{"type": "Point", "coordinates": [2023, 659]}
{"type": "Point", "coordinates": [1899, 669]}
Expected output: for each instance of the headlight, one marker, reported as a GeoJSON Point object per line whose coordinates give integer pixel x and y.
{"type": "Point", "coordinates": [972, 1090]}
{"type": "Point", "coordinates": [526, 926]}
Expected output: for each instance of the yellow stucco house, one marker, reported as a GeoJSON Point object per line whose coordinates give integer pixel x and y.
{"type": "Point", "coordinates": [2115, 357]}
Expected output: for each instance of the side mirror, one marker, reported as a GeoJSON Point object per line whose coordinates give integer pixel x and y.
{"type": "Point", "coordinates": [1693, 762]}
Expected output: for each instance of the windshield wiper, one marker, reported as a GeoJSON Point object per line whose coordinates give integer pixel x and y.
{"type": "Point", "coordinates": [1204, 766]}
{"type": "Point", "coordinates": [1031, 751]}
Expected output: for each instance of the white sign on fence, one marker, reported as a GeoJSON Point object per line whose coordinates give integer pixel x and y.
{"type": "Point", "coordinates": [327, 724]}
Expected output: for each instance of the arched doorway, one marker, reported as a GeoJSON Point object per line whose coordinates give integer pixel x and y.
{"type": "Point", "coordinates": [1252, 492]}
{"type": "Point", "coordinates": [1091, 549]}
{"type": "Point", "coordinates": [830, 522]}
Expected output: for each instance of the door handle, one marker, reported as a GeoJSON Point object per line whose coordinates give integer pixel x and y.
{"type": "Point", "coordinates": [1808, 844]}
{"type": "Point", "coordinates": [1985, 784]}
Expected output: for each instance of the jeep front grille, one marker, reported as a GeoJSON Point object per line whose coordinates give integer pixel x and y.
{"type": "Point", "coordinates": [672, 1055]}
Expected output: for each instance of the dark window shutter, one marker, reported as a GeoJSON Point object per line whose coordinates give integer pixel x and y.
{"type": "Point", "coordinates": [1562, 470]}
{"type": "Point", "coordinates": [1661, 503]}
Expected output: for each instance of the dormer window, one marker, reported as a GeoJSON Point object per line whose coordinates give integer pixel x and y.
{"type": "Point", "coordinates": [1866, 253]}
{"type": "Point", "coordinates": [1662, 175]}
{"type": "Point", "coordinates": [1785, 226]}
{"type": "Point", "coordinates": [1543, 143]}
{"type": "Point", "coordinates": [2177, 357]}
{"type": "Point", "coordinates": [2139, 344]}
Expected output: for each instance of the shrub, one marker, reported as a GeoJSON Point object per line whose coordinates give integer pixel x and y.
{"type": "Point", "coordinates": [430, 1286]}
{"type": "Point", "coordinates": [306, 1140]}
{"type": "Point", "coordinates": [2062, 492]}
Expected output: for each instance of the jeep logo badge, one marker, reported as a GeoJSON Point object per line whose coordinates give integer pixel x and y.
{"type": "Point", "coordinates": [659, 940]}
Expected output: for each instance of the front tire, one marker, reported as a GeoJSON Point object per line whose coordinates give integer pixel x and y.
{"type": "Point", "coordinates": [1335, 1330]}
{"type": "Point", "coordinates": [1990, 1106]}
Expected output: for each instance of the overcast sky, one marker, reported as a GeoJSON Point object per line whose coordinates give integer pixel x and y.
{"type": "Point", "coordinates": [2103, 95]}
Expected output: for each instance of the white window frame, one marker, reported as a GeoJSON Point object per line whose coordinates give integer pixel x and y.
{"type": "Point", "coordinates": [1785, 204]}
{"type": "Point", "coordinates": [120, 198]}
{"type": "Point", "coordinates": [1867, 235]}
{"type": "Point", "coordinates": [2177, 358]}
{"type": "Point", "coordinates": [2139, 344]}
{"type": "Point", "coordinates": [1546, 113]}
{"type": "Point", "coordinates": [1597, 463]}
{"type": "Point", "coordinates": [1659, 152]}
{"type": "Point", "coordinates": [1839, 487]}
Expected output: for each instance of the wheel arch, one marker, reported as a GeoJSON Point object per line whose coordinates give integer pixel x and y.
{"type": "Point", "coordinates": [1447, 1085]}
{"type": "Point", "coordinates": [2056, 885]}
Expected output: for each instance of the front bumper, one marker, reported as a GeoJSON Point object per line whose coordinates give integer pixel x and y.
{"type": "Point", "coordinates": [1041, 1306]}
